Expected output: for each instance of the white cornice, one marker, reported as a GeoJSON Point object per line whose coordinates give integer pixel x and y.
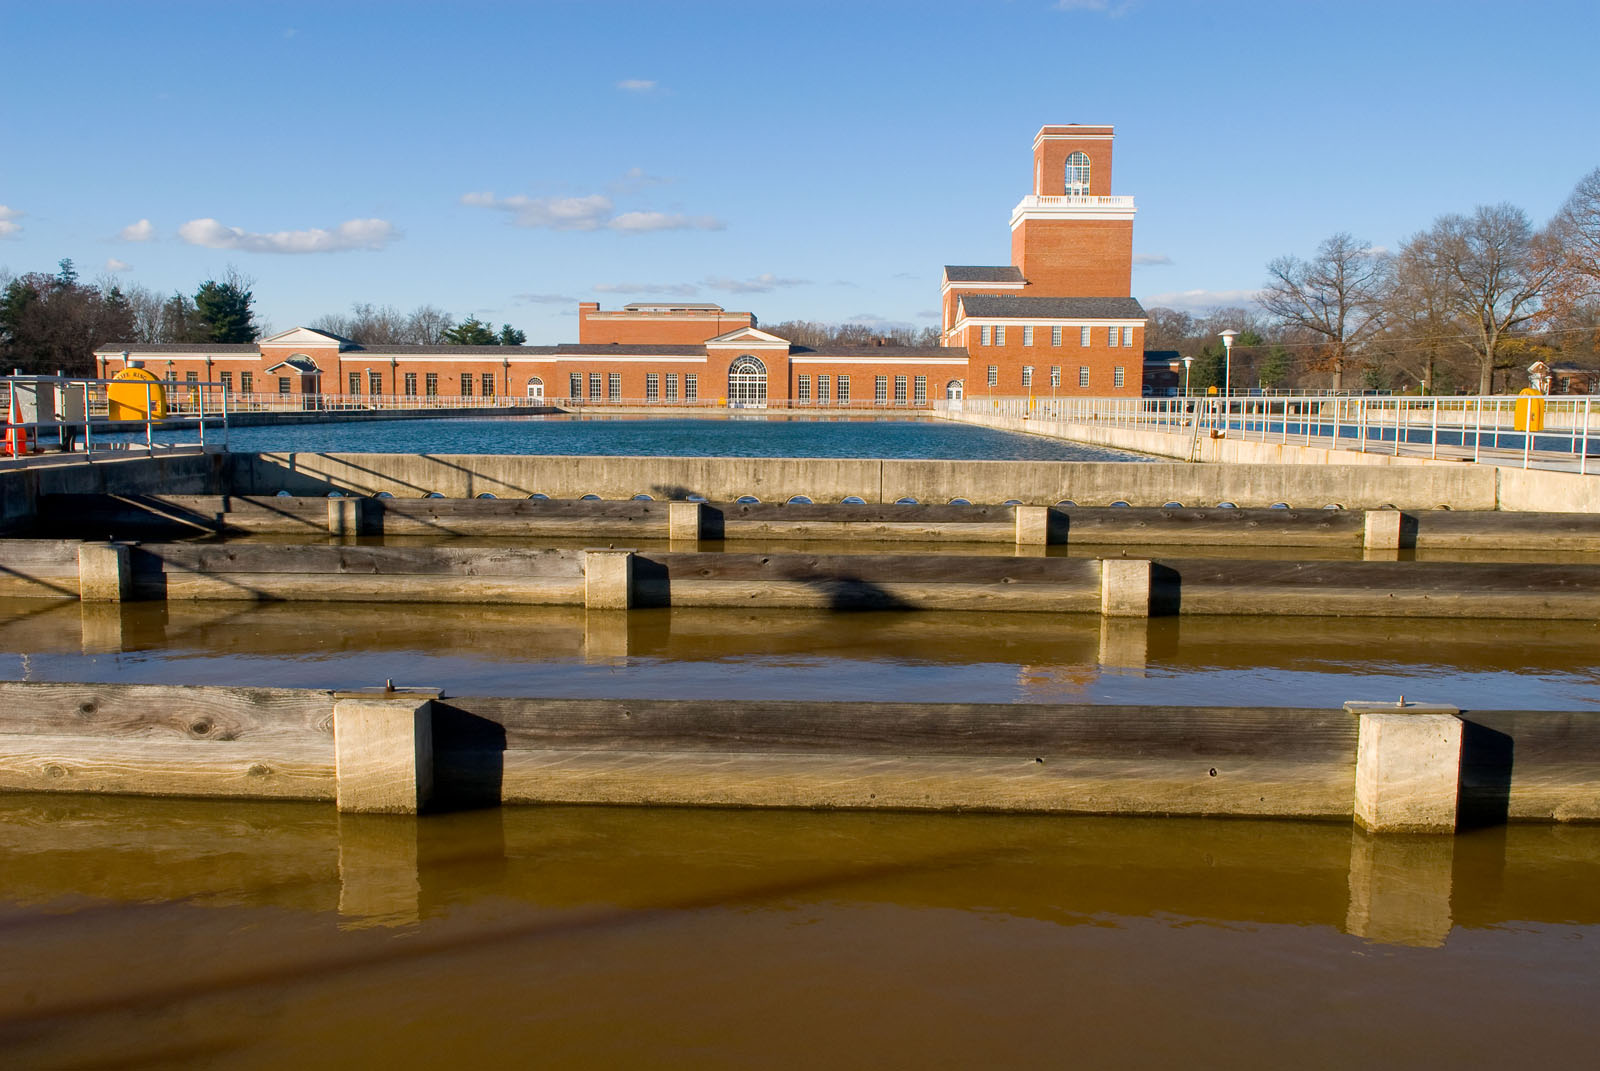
{"type": "Point", "coordinates": [880, 360]}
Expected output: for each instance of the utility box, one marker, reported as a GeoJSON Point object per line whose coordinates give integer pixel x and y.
{"type": "Point", "coordinates": [72, 403]}
{"type": "Point", "coordinates": [36, 401]}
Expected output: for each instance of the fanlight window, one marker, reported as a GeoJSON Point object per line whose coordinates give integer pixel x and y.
{"type": "Point", "coordinates": [747, 383]}
{"type": "Point", "coordinates": [1078, 173]}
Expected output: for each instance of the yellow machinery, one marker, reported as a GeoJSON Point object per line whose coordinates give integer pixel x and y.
{"type": "Point", "coordinates": [136, 394]}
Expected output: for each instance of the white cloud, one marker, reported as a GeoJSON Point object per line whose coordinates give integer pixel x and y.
{"type": "Point", "coordinates": [635, 179]}
{"type": "Point", "coordinates": [543, 299]}
{"type": "Point", "coordinates": [1151, 258]}
{"type": "Point", "coordinates": [1111, 8]}
{"type": "Point", "coordinates": [113, 264]}
{"type": "Point", "coordinates": [670, 289]}
{"type": "Point", "coordinates": [761, 284]}
{"type": "Point", "coordinates": [1199, 300]}
{"type": "Point", "coordinates": [371, 234]}
{"type": "Point", "coordinates": [8, 221]}
{"type": "Point", "coordinates": [591, 213]}
{"type": "Point", "coordinates": [637, 85]}
{"type": "Point", "coordinates": [142, 231]}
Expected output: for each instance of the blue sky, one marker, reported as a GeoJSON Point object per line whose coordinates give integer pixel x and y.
{"type": "Point", "coordinates": [816, 160]}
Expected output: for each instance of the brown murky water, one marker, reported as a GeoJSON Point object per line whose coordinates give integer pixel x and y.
{"type": "Point", "coordinates": [168, 933]}
{"type": "Point", "coordinates": [777, 654]}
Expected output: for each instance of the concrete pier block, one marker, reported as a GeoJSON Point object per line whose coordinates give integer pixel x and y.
{"type": "Point", "coordinates": [607, 579]}
{"type": "Point", "coordinates": [347, 516]}
{"type": "Point", "coordinates": [1382, 529]}
{"type": "Point", "coordinates": [103, 572]}
{"type": "Point", "coordinates": [1400, 889]}
{"type": "Point", "coordinates": [1125, 587]}
{"type": "Point", "coordinates": [683, 521]}
{"type": "Point", "coordinates": [383, 749]}
{"type": "Point", "coordinates": [1033, 525]}
{"type": "Point", "coordinates": [1408, 772]}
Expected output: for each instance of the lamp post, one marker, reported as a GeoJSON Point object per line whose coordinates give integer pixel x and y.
{"type": "Point", "coordinates": [1227, 361]}
{"type": "Point", "coordinates": [1187, 361]}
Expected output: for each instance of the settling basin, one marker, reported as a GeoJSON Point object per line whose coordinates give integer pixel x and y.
{"type": "Point", "coordinates": [164, 932]}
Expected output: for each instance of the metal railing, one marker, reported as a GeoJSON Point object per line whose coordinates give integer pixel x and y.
{"type": "Point", "coordinates": [1538, 432]}
{"type": "Point", "coordinates": [59, 411]}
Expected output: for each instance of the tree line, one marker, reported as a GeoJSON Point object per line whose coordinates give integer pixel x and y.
{"type": "Point", "coordinates": [1464, 305]}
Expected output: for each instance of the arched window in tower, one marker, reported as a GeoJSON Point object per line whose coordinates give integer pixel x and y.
{"type": "Point", "coordinates": [747, 383]}
{"type": "Point", "coordinates": [1077, 174]}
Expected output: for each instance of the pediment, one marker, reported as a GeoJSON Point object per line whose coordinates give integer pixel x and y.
{"type": "Point", "coordinates": [747, 336]}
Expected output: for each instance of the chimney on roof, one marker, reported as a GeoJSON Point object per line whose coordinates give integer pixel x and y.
{"type": "Point", "coordinates": [880, 341]}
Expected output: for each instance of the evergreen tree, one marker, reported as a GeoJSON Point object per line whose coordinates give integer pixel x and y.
{"type": "Point", "coordinates": [471, 332]}
{"type": "Point", "coordinates": [511, 336]}
{"type": "Point", "coordinates": [225, 310]}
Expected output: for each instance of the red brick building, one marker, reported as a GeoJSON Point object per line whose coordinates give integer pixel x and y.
{"type": "Point", "coordinates": [1059, 320]}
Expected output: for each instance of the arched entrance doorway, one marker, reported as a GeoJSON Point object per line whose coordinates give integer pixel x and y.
{"type": "Point", "coordinates": [536, 389]}
{"type": "Point", "coordinates": [953, 392]}
{"type": "Point", "coordinates": [747, 383]}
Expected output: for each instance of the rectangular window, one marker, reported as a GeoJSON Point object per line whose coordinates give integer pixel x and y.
{"type": "Point", "coordinates": [227, 380]}
{"type": "Point", "coordinates": [594, 386]}
{"type": "Point", "coordinates": [191, 377]}
{"type": "Point", "coordinates": [880, 389]}
{"type": "Point", "coordinates": [1027, 375]}
{"type": "Point", "coordinates": [691, 387]}
{"type": "Point", "coordinates": [672, 386]}
{"type": "Point", "coordinates": [355, 382]}
{"type": "Point", "coordinates": [919, 390]}
{"type": "Point", "coordinates": [614, 386]}
{"type": "Point", "coordinates": [824, 389]}
{"type": "Point", "coordinates": [844, 390]}
{"type": "Point", "coordinates": [802, 389]}
{"type": "Point", "coordinates": [431, 384]}
{"type": "Point", "coordinates": [899, 390]}
{"type": "Point", "coordinates": [994, 375]}
{"type": "Point", "coordinates": [283, 385]}
{"type": "Point", "coordinates": [488, 384]}
{"type": "Point", "coordinates": [1055, 375]}
{"type": "Point", "coordinates": [411, 383]}
{"type": "Point", "coordinates": [1000, 335]}
{"type": "Point", "coordinates": [1027, 335]}
{"type": "Point", "coordinates": [1111, 336]}
{"type": "Point", "coordinates": [374, 383]}
{"type": "Point", "coordinates": [1127, 336]}
{"type": "Point", "coordinates": [575, 385]}
{"type": "Point", "coordinates": [1083, 375]}
{"type": "Point", "coordinates": [983, 336]}
{"type": "Point", "coordinates": [1055, 336]}
{"type": "Point", "coordinates": [1083, 336]}
{"type": "Point", "coordinates": [652, 386]}
{"type": "Point", "coordinates": [1116, 376]}
{"type": "Point", "coordinates": [466, 384]}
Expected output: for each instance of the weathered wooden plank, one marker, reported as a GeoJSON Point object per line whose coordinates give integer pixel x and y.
{"type": "Point", "coordinates": [35, 554]}
{"type": "Point", "coordinates": [278, 769]}
{"type": "Point", "coordinates": [525, 509]}
{"type": "Point", "coordinates": [882, 531]}
{"type": "Point", "coordinates": [1480, 529]}
{"type": "Point", "coordinates": [158, 711]}
{"type": "Point", "coordinates": [1247, 787]}
{"type": "Point", "coordinates": [1198, 527]}
{"type": "Point", "coordinates": [337, 587]}
{"type": "Point", "coordinates": [1026, 730]}
{"type": "Point", "coordinates": [872, 568]}
{"type": "Point", "coordinates": [335, 559]}
{"type": "Point", "coordinates": [869, 513]}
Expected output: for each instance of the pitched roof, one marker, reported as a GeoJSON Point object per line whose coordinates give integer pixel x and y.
{"type": "Point", "coordinates": [613, 349]}
{"type": "Point", "coordinates": [980, 273]}
{"type": "Point", "coordinates": [115, 349]}
{"type": "Point", "coordinates": [868, 349]}
{"type": "Point", "coordinates": [1008, 307]}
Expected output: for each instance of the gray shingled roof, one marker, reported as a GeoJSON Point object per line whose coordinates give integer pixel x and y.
{"type": "Point", "coordinates": [981, 273]}
{"type": "Point", "coordinates": [628, 349]}
{"type": "Point", "coordinates": [869, 350]}
{"type": "Point", "coordinates": [986, 306]}
{"type": "Point", "coordinates": [115, 349]}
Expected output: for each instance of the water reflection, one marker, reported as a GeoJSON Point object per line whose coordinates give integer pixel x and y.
{"type": "Point", "coordinates": [686, 653]}
{"type": "Point", "coordinates": [157, 931]}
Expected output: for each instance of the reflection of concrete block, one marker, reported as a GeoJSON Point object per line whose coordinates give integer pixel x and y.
{"type": "Point", "coordinates": [608, 579]}
{"type": "Point", "coordinates": [101, 627]}
{"type": "Point", "coordinates": [1400, 889]}
{"type": "Point", "coordinates": [103, 572]}
{"type": "Point", "coordinates": [683, 521]}
{"type": "Point", "coordinates": [1382, 530]}
{"type": "Point", "coordinates": [1033, 525]}
{"type": "Point", "coordinates": [1408, 772]}
{"type": "Point", "coordinates": [605, 635]}
{"type": "Point", "coordinates": [1125, 587]}
{"type": "Point", "coordinates": [1124, 643]}
{"type": "Point", "coordinates": [378, 880]}
{"type": "Point", "coordinates": [384, 753]}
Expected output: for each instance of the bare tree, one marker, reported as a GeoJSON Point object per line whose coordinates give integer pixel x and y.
{"type": "Point", "coordinates": [1335, 297]}
{"type": "Point", "coordinates": [1575, 237]}
{"type": "Point", "coordinates": [385, 325]}
{"type": "Point", "coordinates": [1493, 270]}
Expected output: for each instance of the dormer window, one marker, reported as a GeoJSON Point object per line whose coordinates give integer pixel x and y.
{"type": "Point", "coordinates": [1077, 174]}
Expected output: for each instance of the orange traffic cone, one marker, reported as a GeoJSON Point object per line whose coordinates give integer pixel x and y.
{"type": "Point", "coordinates": [19, 439]}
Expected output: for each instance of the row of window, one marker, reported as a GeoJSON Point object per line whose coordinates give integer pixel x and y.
{"type": "Point", "coordinates": [608, 386]}
{"type": "Point", "coordinates": [996, 336]}
{"type": "Point", "coordinates": [1118, 377]}
{"type": "Point", "coordinates": [880, 389]}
